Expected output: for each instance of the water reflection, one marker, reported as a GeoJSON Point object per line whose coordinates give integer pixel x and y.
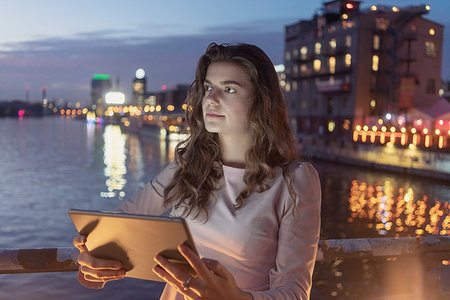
{"type": "Point", "coordinates": [136, 164]}
{"type": "Point", "coordinates": [397, 210]}
{"type": "Point", "coordinates": [114, 159]}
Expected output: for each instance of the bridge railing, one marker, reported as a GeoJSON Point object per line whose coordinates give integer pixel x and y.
{"type": "Point", "coordinates": [433, 252]}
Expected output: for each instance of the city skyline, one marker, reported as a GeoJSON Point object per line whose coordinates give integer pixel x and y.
{"type": "Point", "coordinates": [79, 39]}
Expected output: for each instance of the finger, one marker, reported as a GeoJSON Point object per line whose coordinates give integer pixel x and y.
{"type": "Point", "coordinates": [85, 259]}
{"type": "Point", "coordinates": [171, 268]}
{"type": "Point", "coordinates": [79, 242]}
{"type": "Point", "coordinates": [194, 260]}
{"type": "Point", "coordinates": [89, 284]}
{"type": "Point", "coordinates": [164, 275]}
{"type": "Point", "coordinates": [103, 274]}
{"type": "Point", "coordinates": [217, 268]}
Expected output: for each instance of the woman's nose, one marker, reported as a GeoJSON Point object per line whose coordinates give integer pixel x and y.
{"type": "Point", "coordinates": [212, 97]}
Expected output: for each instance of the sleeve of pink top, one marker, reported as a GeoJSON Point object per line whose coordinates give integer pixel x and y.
{"type": "Point", "coordinates": [297, 240]}
{"type": "Point", "coordinates": [149, 201]}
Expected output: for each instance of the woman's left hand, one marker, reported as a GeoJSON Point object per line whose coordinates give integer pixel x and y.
{"type": "Point", "coordinates": [213, 281]}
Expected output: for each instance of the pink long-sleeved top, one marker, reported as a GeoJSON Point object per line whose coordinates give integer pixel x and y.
{"type": "Point", "coordinates": [269, 244]}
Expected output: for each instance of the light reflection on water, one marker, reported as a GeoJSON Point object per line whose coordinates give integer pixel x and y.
{"type": "Point", "coordinates": [397, 211]}
{"type": "Point", "coordinates": [114, 159]}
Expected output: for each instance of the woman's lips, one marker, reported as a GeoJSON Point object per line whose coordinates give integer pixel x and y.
{"type": "Point", "coordinates": [212, 114]}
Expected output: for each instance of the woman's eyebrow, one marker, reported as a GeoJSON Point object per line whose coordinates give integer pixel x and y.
{"type": "Point", "coordinates": [225, 82]}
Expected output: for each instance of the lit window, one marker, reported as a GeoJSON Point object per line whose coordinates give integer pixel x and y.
{"type": "Point", "coordinates": [304, 52]}
{"type": "Point", "coordinates": [332, 64]}
{"type": "Point", "coordinates": [348, 41]}
{"type": "Point", "coordinates": [348, 60]}
{"type": "Point", "coordinates": [317, 65]}
{"type": "Point", "coordinates": [288, 55]}
{"type": "Point", "coordinates": [382, 23]}
{"type": "Point", "coordinates": [294, 85]}
{"type": "Point", "coordinates": [332, 43]}
{"type": "Point", "coordinates": [375, 62]}
{"type": "Point", "coordinates": [431, 31]}
{"type": "Point", "coordinates": [317, 48]}
{"type": "Point", "coordinates": [348, 24]}
{"type": "Point", "coordinates": [287, 87]}
{"type": "Point", "coordinates": [430, 49]}
{"type": "Point", "coordinates": [376, 42]}
{"type": "Point", "coordinates": [303, 68]}
{"type": "Point", "coordinates": [331, 126]}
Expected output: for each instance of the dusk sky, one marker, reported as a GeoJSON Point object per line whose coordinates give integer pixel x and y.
{"type": "Point", "coordinates": [61, 44]}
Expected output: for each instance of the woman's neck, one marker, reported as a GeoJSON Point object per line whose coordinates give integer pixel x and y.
{"type": "Point", "coordinates": [234, 150]}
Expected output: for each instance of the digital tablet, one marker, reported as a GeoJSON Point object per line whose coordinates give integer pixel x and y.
{"type": "Point", "coordinates": [134, 239]}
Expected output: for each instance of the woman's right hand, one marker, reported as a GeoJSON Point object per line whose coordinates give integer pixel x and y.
{"type": "Point", "coordinates": [95, 272]}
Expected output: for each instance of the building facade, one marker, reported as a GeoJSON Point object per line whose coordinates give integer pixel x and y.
{"type": "Point", "coordinates": [347, 65]}
{"type": "Point", "coordinates": [100, 85]}
{"type": "Point", "coordinates": [139, 87]}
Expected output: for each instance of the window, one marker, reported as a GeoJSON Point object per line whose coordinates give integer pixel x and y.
{"type": "Point", "coordinates": [431, 86]}
{"type": "Point", "coordinates": [430, 49]}
{"type": "Point", "coordinates": [317, 48]}
{"type": "Point", "coordinates": [303, 68]}
{"type": "Point", "coordinates": [287, 87]}
{"type": "Point", "coordinates": [376, 42]}
{"type": "Point", "coordinates": [294, 85]}
{"type": "Point", "coordinates": [348, 60]}
{"type": "Point", "coordinates": [332, 43]}
{"type": "Point", "coordinates": [317, 65]}
{"type": "Point", "coordinates": [382, 24]}
{"type": "Point", "coordinates": [288, 56]}
{"type": "Point", "coordinates": [304, 52]}
{"type": "Point", "coordinates": [329, 106]}
{"type": "Point", "coordinates": [332, 64]}
{"type": "Point", "coordinates": [375, 62]}
{"type": "Point", "coordinates": [348, 41]}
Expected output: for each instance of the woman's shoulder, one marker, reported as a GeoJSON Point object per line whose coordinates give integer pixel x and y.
{"type": "Point", "coordinates": [301, 168]}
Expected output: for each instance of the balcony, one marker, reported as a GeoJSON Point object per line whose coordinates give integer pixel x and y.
{"type": "Point", "coordinates": [332, 86]}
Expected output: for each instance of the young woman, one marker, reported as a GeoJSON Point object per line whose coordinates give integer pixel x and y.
{"type": "Point", "coordinates": [252, 207]}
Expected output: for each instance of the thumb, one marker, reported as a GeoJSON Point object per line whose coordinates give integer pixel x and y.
{"type": "Point", "coordinates": [80, 243]}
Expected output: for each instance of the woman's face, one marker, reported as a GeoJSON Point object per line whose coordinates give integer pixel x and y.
{"type": "Point", "coordinates": [227, 99]}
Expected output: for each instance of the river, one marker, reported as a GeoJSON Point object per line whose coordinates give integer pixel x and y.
{"type": "Point", "coordinates": [49, 165]}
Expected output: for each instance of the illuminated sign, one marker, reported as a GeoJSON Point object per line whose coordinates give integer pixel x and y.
{"type": "Point", "coordinates": [115, 98]}
{"type": "Point", "coordinates": [140, 73]}
{"type": "Point", "coordinates": [101, 77]}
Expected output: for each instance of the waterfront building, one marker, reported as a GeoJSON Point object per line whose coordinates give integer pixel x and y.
{"type": "Point", "coordinates": [170, 99]}
{"type": "Point", "coordinates": [346, 66]}
{"type": "Point", "coordinates": [100, 85]}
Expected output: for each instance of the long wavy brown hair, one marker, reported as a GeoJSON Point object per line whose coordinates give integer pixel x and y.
{"type": "Point", "coordinates": [198, 159]}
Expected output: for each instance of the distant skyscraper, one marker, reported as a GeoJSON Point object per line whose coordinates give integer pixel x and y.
{"type": "Point", "coordinates": [100, 85]}
{"type": "Point", "coordinates": [139, 87]}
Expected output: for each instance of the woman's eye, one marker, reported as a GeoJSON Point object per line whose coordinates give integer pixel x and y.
{"type": "Point", "coordinates": [208, 88]}
{"type": "Point", "coordinates": [230, 90]}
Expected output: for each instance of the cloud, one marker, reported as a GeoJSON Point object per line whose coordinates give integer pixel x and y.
{"type": "Point", "coordinates": [65, 65]}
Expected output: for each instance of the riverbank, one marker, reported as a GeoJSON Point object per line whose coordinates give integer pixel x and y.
{"type": "Point", "coordinates": [387, 158]}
